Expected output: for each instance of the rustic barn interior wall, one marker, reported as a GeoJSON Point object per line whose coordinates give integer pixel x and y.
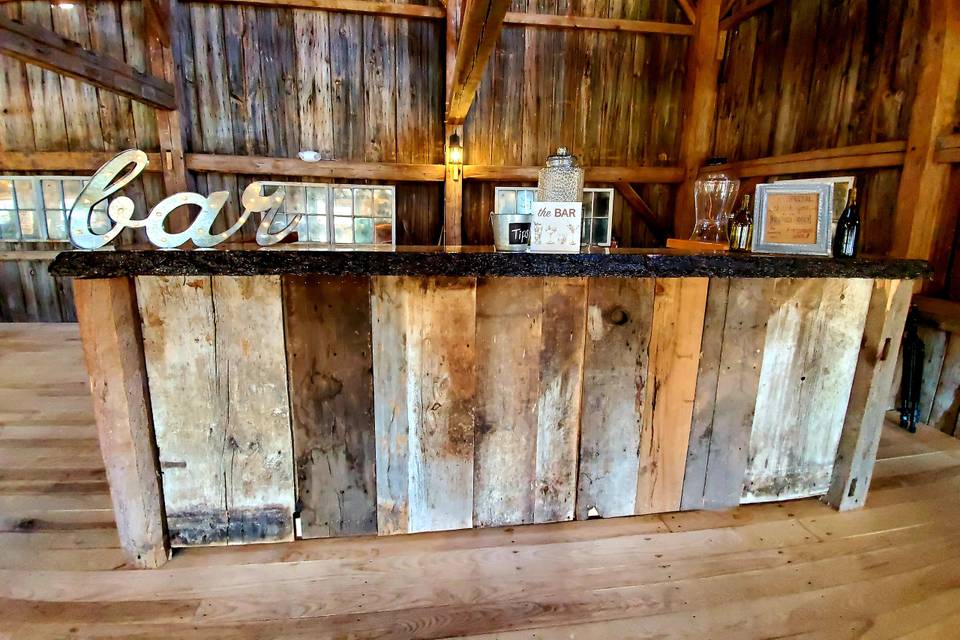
{"type": "Point", "coordinates": [819, 74]}
{"type": "Point", "coordinates": [613, 98]}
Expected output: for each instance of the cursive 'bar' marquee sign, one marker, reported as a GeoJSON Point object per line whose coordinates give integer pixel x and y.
{"type": "Point", "coordinates": [118, 172]}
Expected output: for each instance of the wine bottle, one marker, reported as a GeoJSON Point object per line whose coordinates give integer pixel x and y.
{"type": "Point", "coordinates": [740, 230]}
{"type": "Point", "coordinates": [846, 239]}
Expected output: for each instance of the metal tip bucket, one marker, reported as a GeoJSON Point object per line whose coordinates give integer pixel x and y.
{"type": "Point", "coordinates": [511, 232]}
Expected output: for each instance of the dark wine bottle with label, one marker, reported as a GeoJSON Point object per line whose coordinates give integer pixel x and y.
{"type": "Point", "coordinates": [846, 239]}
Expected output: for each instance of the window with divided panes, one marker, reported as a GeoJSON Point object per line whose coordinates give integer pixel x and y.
{"type": "Point", "coordinates": [34, 208]}
{"type": "Point", "coordinates": [597, 210]}
{"type": "Point", "coordinates": [348, 215]}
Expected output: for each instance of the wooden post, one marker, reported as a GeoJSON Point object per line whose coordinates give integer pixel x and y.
{"type": "Point", "coordinates": [157, 16]}
{"type": "Point", "coordinates": [113, 348]}
{"type": "Point", "coordinates": [921, 200]}
{"type": "Point", "coordinates": [876, 365]}
{"type": "Point", "coordinates": [452, 193]}
{"type": "Point", "coordinates": [699, 104]}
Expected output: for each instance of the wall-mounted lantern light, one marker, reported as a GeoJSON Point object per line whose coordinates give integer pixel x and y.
{"type": "Point", "coordinates": [455, 155]}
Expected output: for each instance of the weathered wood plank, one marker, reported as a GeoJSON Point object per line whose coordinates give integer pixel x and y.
{"type": "Point", "coordinates": [480, 26]}
{"type": "Point", "coordinates": [809, 357]}
{"type": "Point", "coordinates": [619, 318]}
{"type": "Point", "coordinates": [559, 397]}
{"type": "Point", "coordinates": [509, 315]}
{"type": "Point", "coordinates": [934, 352]}
{"type": "Point", "coordinates": [679, 306]}
{"type": "Point", "coordinates": [218, 390]}
{"type": "Point", "coordinates": [434, 319]}
{"type": "Point", "coordinates": [946, 402]}
{"type": "Point", "coordinates": [113, 349]}
{"type": "Point", "coordinates": [329, 360]}
{"type": "Point", "coordinates": [857, 451]}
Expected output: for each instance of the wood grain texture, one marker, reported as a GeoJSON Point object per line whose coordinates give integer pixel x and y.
{"type": "Point", "coordinates": [559, 397]}
{"type": "Point", "coordinates": [329, 360]}
{"type": "Point", "coordinates": [863, 423]}
{"type": "Point", "coordinates": [113, 349]}
{"type": "Point", "coordinates": [508, 339]}
{"type": "Point", "coordinates": [679, 306]}
{"type": "Point", "coordinates": [934, 352]}
{"type": "Point", "coordinates": [218, 389]}
{"type": "Point", "coordinates": [619, 317]}
{"type": "Point", "coordinates": [946, 402]}
{"type": "Point", "coordinates": [436, 318]}
{"type": "Point", "coordinates": [809, 358]}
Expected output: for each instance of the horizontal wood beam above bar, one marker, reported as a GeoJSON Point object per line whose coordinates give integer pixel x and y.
{"type": "Point", "coordinates": [42, 47]}
{"type": "Point", "coordinates": [597, 24]}
{"type": "Point", "coordinates": [943, 314]}
{"type": "Point", "coordinates": [348, 6]}
{"type": "Point", "coordinates": [258, 165]}
{"type": "Point", "coordinates": [948, 149]}
{"type": "Point", "coordinates": [743, 13]}
{"type": "Point", "coordinates": [647, 175]}
{"type": "Point", "coordinates": [863, 156]}
{"type": "Point", "coordinates": [88, 161]}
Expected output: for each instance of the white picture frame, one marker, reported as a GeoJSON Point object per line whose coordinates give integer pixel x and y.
{"type": "Point", "coordinates": [763, 227]}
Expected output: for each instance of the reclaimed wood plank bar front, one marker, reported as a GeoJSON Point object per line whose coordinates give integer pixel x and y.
{"type": "Point", "coordinates": [329, 393]}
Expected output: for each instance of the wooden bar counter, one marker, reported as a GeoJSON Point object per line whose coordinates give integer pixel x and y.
{"type": "Point", "coordinates": [248, 395]}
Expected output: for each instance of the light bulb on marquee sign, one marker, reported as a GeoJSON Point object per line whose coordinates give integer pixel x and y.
{"type": "Point", "coordinates": [118, 172]}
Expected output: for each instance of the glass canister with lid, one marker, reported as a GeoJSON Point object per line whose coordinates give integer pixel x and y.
{"type": "Point", "coordinates": [562, 179]}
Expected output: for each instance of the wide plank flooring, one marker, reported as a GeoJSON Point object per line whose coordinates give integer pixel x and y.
{"type": "Point", "coordinates": [796, 569]}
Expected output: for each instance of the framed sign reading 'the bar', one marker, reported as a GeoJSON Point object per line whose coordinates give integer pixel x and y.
{"type": "Point", "coordinates": [793, 218]}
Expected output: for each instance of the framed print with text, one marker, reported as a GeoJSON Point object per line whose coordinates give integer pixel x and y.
{"type": "Point", "coordinates": [793, 218]}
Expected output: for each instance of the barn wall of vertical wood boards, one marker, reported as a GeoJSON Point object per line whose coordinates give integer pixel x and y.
{"type": "Point", "coordinates": [272, 80]}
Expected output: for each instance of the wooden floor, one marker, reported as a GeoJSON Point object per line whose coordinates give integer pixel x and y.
{"type": "Point", "coordinates": [794, 569]}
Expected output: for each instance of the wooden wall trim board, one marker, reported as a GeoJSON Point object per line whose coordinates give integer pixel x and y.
{"type": "Point", "coordinates": [346, 6]}
{"type": "Point", "coordinates": [922, 208]}
{"type": "Point", "coordinates": [863, 422]}
{"type": "Point", "coordinates": [646, 175]}
{"type": "Point", "coordinates": [64, 160]}
{"type": "Point", "coordinates": [113, 349]}
{"type": "Point", "coordinates": [598, 24]}
{"type": "Point", "coordinates": [42, 47]}
{"type": "Point", "coordinates": [480, 26]}
{"type": "Point", "coordinates": [258, 165]}
{"type": "Point", "coordinates": [948, 149]}
{"type": "Point", "coordinates": [862, 156]}
{"type": "Point", "coordinates": [699, 107]}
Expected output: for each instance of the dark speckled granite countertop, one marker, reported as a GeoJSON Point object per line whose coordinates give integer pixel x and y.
{"type": "Point", "coordinates": [248, 260]}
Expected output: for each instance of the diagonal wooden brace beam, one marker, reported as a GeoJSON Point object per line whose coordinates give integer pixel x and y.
{"type": "Point", "coordinates": [44, 48]}
{"type": "Point", "coordinates": [642, 209]}
{"type": "Point", "coordinates": [482, 21]}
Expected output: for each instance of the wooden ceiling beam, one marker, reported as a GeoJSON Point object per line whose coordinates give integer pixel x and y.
{"type": "Point", "coordinates": [348, 6]}
{"type": "Point", "coordinates": [44, 48]}
{"type": "Point", "coordinates": [479, 31]}
{"type": "Point", "coordinates": [743, 13]}
{"type": "Point", "coordinates": [597, 24]}
{"type": "Point", "coordinates": [688, 10]}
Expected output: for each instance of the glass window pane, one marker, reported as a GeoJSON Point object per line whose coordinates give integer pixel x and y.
{"type": "Point", "coordinates": [524, 201]}
{"type": "Point", "coordinates": [383, 203]}
{"type": "Point", "coordinates": [316, 229]}
{"type": "Point", "coordinates": [71, 189]}
{"type": "Point", "coordinates": [601, 205]}
{"type": "Point", "coordinates": [343, 229]}
{"type": "Point", "coordinates": [507, 201]}
{"type": "Point", "coordinates": [585, 228]}
{"type": "Point", "coordinates": [99, 220]}
{"type": "Point", "coordinates": [383, 230]}
{"type": "Point", "coordinates": [56, 225]}
{"type": "Point", "coordinates": [25, 195]}
{"type": "Point", "coordinates": [6, 195]}
{"type": "Point", "coordinates": [295, 200]}
{"type": "Point", "coordinates": [28, 225]}
{"type": "Point", "coordinates": [342, 202]}
{"type": "Point", "coordinates": [51, 194]}
{"type": "Point", "coordinates": [363, 230]}
{"type": "Point", "coordinates": [9, 229]}
{"type": "Point", "coordinates": [600, 226]}
{"type": "Point", "coordinates": [588, 204]}
{"type": "Point", "coordinates": [316, 199]}
{"type": "Point", "coordinates": [363, 203]}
